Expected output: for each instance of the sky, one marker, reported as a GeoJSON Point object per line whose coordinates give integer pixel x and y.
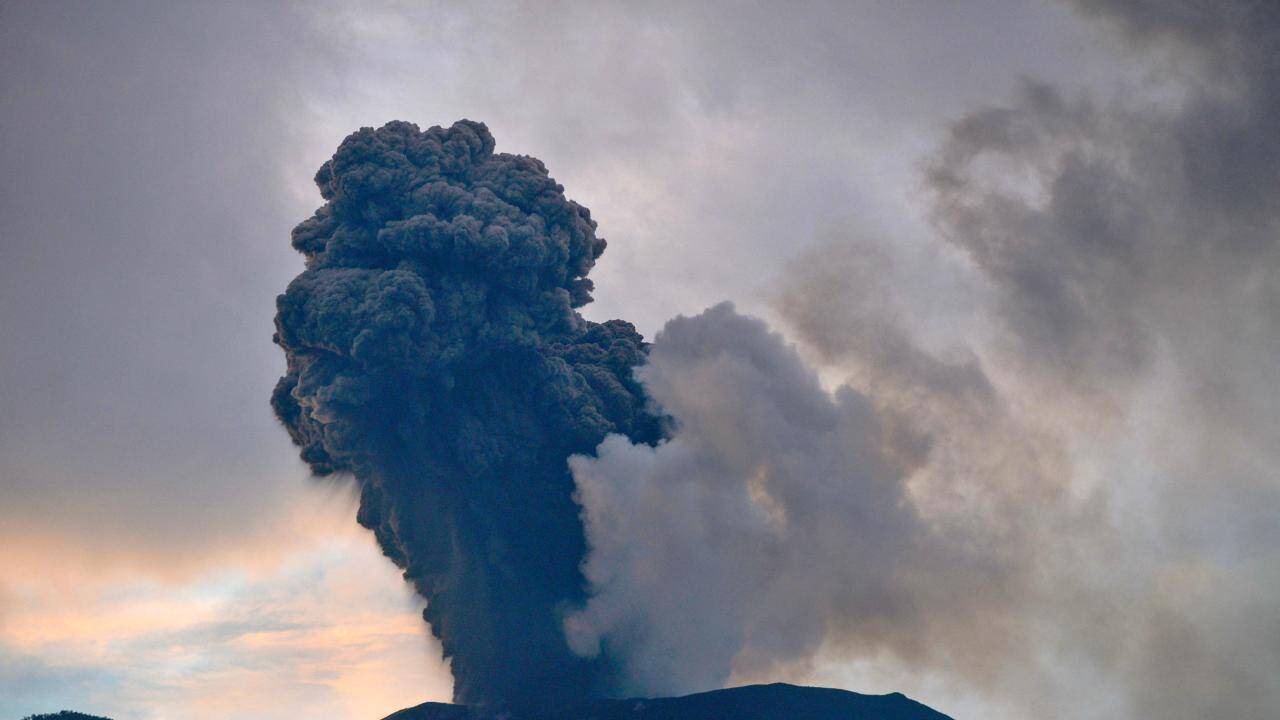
{"type": "Point", "coordinates": [1037, 239]}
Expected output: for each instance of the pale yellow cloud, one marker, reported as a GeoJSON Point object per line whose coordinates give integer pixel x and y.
{"type": "Point", "coordinates": [307, 618]}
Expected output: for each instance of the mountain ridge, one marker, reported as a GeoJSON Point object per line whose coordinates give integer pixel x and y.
{"type": "Point", "coordinates": [774, 701]}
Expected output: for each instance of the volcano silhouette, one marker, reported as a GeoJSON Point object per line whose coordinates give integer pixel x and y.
{"type": "Point", "coordinates": [777, 701]}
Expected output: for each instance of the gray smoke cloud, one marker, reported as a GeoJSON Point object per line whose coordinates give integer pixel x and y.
{"type": "Point", "coordinates": [783, 518]}
{"type": "Point", "coordinates": [769, 485]}
{"type": "Point", "coordinates": [1118, 230]}
{"type": "Point", "coordinates": [1077, 499]}
{"type": "Point", "coordinates": [1134, 262]}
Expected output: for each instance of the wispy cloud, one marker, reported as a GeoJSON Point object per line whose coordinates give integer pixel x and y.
{"type": "Point", "coordinates": [327, 628]}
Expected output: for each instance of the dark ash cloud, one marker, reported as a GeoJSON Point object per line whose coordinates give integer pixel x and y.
{"type": "Point", "coordinates": [435, 354]}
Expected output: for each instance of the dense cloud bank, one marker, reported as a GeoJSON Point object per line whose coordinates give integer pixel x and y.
{"type": "Point", "coordinates": [1135, 266]}
{"type": "Point", "coordinates": [1086, 492]}
{"type": "Point", "coordinates": [1114, 230]}
{"type": "Point", "coordinates": [434, 353]}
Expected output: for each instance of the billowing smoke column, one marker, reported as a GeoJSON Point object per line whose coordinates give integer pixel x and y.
{"type": "Point", "coordinates": [434, 354]}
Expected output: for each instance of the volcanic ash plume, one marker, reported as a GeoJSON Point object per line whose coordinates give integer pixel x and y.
{"type": "Point", "coordinates": [435, 355]}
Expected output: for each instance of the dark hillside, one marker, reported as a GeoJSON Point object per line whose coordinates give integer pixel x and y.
{"type": "Point", "coordinates": [753, 702]}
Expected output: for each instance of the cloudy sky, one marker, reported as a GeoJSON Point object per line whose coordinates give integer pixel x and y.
{"type": "Point", "coordinates": [1037, 241]}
